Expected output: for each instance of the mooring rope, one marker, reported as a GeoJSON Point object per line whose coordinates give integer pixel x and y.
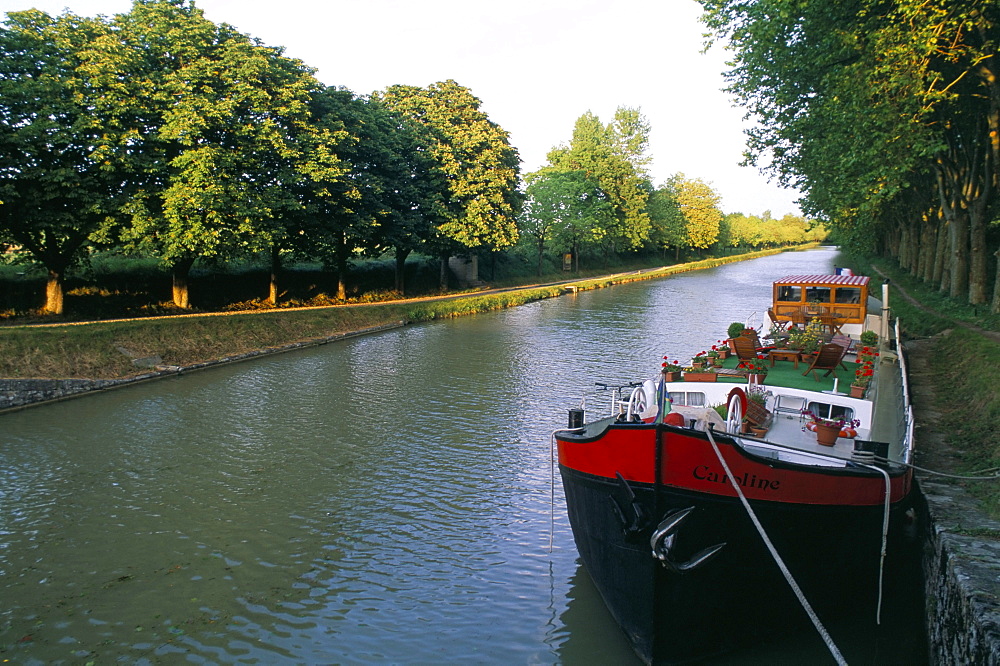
{"type": "Point", "coordinates": [838, 657]}
{"type": "Point", "coordinates": [885, 538]}
{"type": "Point", "coordinates": [552, 480]}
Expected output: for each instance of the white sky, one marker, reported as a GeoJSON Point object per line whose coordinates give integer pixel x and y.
{"type": "Point", "coordinates": [537, 65]}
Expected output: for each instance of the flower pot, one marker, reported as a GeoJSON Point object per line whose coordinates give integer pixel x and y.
{"type": "Point", "coordinates": [826, 435]}
{"type": "Point", "coordinates": [756, 379]}
{"type": "Point", "coordinates": [758, 432]}
{"type": "Point", "coordinates": [699, 376]}
{"type": "Point", "coordinates": [857, 391]}
{"type": "Point", "coordinates": [674, 376]}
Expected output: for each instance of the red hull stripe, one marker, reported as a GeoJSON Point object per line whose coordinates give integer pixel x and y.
{"type": "Point", "coordinates": [689, 463]}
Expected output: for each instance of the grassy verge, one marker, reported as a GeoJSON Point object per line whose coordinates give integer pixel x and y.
{"type": "Point", "coordinates": [105, 350]}
{"type": "Point", "coordinates": [966, 366]}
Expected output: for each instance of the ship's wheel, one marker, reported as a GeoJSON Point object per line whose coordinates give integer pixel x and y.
{"type": "Point", "coordinates": [737, 401]}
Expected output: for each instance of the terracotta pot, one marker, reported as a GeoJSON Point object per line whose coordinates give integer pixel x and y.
{"type": "Point", "coordinates": [756, 379]}
{"type": "Point", "coordinates": [826, 435]}
{"type": "Point", "coordinates": [674, 376]}
{"type": "Point", "coordinates": [758, 432]}
{"type": "Point", "coordinates": [857, 391]}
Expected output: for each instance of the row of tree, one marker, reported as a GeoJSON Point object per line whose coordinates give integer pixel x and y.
{"type": "Point", "coordinates": [887, 114]}
{"type": "Point", "coordinates": [595, 193]}
{"type": "Point", "coordinates": [166, 135]}
{"type": "Point", "coordinates": [162, 134]}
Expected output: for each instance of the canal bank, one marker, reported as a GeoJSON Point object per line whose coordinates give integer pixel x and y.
{"type": "Point", "coordinates": [961, 553]}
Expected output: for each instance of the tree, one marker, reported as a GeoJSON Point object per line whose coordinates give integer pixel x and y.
{"type": "Point", "coordinates": [699, 205]}
{"type": "Point", "coordinates": [567, 209]}
{"type": "Point", "coordinates": [918, 80]}
{"type": "Point", "coordinates": [667, 225]}
{"type": "Point", "coordinates": [388, 198]}
{"type": "Point", "coordinates": [481, 169]}
{"type": "Point", "coordinates": [223, 130]}
{"type": "Point", "coordinates": [614, 156]}
{"type": "Point", "coordinates": [59, 175]}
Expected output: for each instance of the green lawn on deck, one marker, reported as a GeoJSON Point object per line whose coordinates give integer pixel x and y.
{"type": "Point", "coordinates": [785, 374]}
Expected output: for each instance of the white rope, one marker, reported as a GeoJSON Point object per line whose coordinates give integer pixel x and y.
{"type": "Point", "coordinates": [885, 539]}
{"type": "Point", "coordinates": [839, 658]}
{"type": "Point", "coordinates": [552, 480]}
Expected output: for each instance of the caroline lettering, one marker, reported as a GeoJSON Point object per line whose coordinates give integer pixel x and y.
{"type": "Point", "coordinates": [746, 480]}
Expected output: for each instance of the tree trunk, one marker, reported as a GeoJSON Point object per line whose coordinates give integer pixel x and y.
{"type": "Point", "coordinates": [272, 296]}
{"type": "Point", "coordinates": [995, 307]}
{"type": "Point", "coordinates": [54, 291]}
{"type": "Point", "coordinates": [927, 252]}
{"type": "Point", "coordinates": [978, 257]}
{"type": "Point", "coordinates": [959, 263]}
{"type": "Point", "coordinates": [180, 272]}
{"type": "Point", "coordinates": [400, 276]}
{"type": "Point", "coordinates": [941, 253]}
{"type": "Point", "coordinates": [443, 275]}
{"type": "Point", "coordinates": [340, 257]}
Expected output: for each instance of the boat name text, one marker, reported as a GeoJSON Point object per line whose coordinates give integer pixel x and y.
{"type": "Point", "coordinates": [748, 480]}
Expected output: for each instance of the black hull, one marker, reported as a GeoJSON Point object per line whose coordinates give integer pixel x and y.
{"type": "Point", "coordinates": [738, 597]}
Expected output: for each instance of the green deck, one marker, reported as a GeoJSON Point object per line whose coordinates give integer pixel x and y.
{"type": "Point", "coordinates": [785, 374]}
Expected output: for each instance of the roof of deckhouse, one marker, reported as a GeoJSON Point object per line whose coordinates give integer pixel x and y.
{"type": "Point", "coordinates": [825, 279]}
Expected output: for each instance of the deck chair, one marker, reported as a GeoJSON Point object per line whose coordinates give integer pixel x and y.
{"type": "Point", "coordinates": [777, 323]}
{"type": "Point", "coordinates": [757, 345]}
{"type": "Point", "coordinates": [829, 357]}
{"type": "Point", "coordinates": [744, 347]}
{"type": "Point", "coordinates": [845, 342]}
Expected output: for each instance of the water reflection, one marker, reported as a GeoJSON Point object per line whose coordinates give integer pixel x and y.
{"type": "Point", "coordinates": [387, 499]}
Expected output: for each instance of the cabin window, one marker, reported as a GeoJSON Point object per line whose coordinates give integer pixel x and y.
{"type": "Point", "coordinates": [827, 411]}
{"type": "Point", "coordinates": [788, 292]}
{"type": "Point", "coordinates": [848, 295]}
{"type": "Point", "coordinates": [818, 295]}
{"type": "Point", "coordinates": [687, 399]}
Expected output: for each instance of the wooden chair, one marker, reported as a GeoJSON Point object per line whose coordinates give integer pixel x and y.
{"type": "Point", "coordinates": [744, 347]}
{"type": "Point", "coordinates": [776, 323]}
{"type": "Point", "coordinates": [829, 357]}
{"type": "Point", "coordinates": [844, 341]}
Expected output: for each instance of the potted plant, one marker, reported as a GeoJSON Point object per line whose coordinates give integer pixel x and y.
{"type": "Point", "coordinates": [735, 330]}
{"type": "Point", "coordinates": [756, 369]}
{"type": "Point", "coordinates": [713, 356]}
{"type": "Point", "coordinates": [700, 360]}
{"type": "Point", "coordinates": [723, 348]}
{"type": "Point", "coordinates": [869, 338]}
{"type": "Point", "coordinates": [699, 374]}
{"type": "Point", "coordinates": [829, 429]}
{"type": "Point", "coordinates": [862, 376]}
{"type": "Point", "coordinates": [671, 370]}
{"type": "Point", "coordinates": [808, 339]}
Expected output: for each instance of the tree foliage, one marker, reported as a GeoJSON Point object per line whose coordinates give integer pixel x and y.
{"type": "Point", "coordinates": [868, 107]}
{"type": "Point", "coordinates": [59, 173]}
{"type": "Point", "coordinates": [613, 156]}
{"type": "Point", "coordinates": [480, 167]}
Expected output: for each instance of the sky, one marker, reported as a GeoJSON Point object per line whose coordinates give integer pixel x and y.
{"type": "Point", "coordinates": [537, 66]}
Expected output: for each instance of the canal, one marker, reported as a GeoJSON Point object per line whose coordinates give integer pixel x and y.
{"type": "Point", "coordinates": [387, 499]}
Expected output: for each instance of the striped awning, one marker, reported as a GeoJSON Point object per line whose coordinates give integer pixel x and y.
{"type": "Point", "coordinates": [849, 280]}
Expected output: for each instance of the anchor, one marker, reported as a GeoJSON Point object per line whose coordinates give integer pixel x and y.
{"type": "Point", "coordinates": [631, 526]}
{"type": "Point", "coordinates": [662, 541]}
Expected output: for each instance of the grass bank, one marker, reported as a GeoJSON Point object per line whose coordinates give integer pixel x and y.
{"type": "Point", "coordinates": [964, 360]}
{"type": "Point", "coordinates": [107, 349]}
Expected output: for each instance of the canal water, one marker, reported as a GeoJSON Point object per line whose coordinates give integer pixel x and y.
{"type": "Point", "coordinates": [388, 499]}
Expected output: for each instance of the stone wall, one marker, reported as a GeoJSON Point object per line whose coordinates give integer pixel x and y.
{"type": "Point", "coordinates": [962, 574]}
{"type": "Point", "coordinates": [21, 392]}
